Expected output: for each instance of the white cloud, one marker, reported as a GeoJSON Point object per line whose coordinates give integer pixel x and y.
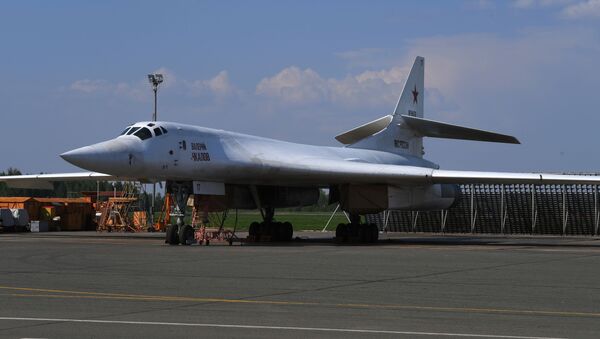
{"type": "Point", "coordinates": [584, 9]}
{"type": "Point", "coordinates": [370, 88]}
{"type": "Point", "coordinates": [219, 85]}
{"type": "Point", "coordinates": [293, 85]}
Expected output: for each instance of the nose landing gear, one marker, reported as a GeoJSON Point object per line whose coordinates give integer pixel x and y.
{"type": "Point", "coordinates": [179, 233]}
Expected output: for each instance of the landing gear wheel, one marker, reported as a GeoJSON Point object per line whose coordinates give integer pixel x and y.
{"type": "Point", "coordinates": [186, 235]}
{"type": "Point", "coordinates": [276, 231]}
{"type": "Point", "coordinates": [172, 236]}
{"type": "Point", "coordinates": [353, 233]}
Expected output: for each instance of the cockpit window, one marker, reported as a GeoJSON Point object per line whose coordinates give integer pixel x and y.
{"type": "Point", "coordinates": [132, 130]}
{"type": "Point", "coordinates": [151, 125]}
{"type": "Point", "coordinates": [163, 129]}
{"type": "Point", "coordinates": [125, 131]}
{"type": "Point", "coordinates": [143, 133]}
{"type": "Point", "coordinates": [157, 131]}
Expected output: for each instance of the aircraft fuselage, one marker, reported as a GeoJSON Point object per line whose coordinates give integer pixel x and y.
{"type": "Point", "coordinates": [189, 152]}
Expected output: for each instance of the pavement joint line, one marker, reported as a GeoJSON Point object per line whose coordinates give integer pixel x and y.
{"type": "Point", "coordinates": [139, 297]}
{"type": "Point", "coordinates": [282, 328]}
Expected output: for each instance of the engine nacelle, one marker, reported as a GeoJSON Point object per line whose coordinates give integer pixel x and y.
{"type": "Point", "coordinates": [423, 198]}
{"type": "Point", "coordinates": [366, 199]}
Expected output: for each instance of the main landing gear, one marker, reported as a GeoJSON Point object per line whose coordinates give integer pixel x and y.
{"type": "Point", "coordinates": [270, 230]}
{"type": "Point", "coordinates": [355, 232]}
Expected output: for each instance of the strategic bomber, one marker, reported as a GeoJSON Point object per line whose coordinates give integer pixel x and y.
{"type": "Point", "coordinates": [380, 167]}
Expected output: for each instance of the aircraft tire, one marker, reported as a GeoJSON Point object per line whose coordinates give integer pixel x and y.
{"type": "Point", "coordinates": [275, 231]}
{"type": "Point", "coordinates": [264, 230]}
{"type": "Point", "coordinates": [171, 236]}
{"type": "Point", "coordinates": [186, 235]}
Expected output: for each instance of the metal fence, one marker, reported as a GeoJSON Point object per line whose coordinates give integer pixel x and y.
{"type": "Point", "coordinates": [506, 209]}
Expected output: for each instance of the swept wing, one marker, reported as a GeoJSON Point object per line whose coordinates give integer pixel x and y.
{"type": "Point", "coordinates": [44, 181]}
{"type": "Point", "coordinates": [326, 172]}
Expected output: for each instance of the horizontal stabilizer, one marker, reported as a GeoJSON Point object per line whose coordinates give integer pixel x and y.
{"type": "Point", "coordinates": [435, 129]}
{"type": "Point", "coordinates": [364, 131]}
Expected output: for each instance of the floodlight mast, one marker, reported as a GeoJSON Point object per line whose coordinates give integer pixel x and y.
{"type": "Point", "coordinates": [155, 79]}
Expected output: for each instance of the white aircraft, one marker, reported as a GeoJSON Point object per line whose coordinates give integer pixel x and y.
{"type": "Point", "coordinates": [380, 167]}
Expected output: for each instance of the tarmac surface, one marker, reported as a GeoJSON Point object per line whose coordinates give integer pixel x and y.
{"type": "Point", "coordinates": [90, 285]}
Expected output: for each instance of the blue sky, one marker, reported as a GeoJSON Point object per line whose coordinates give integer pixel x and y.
{"type": "Point", "coordinates": [304, 71]}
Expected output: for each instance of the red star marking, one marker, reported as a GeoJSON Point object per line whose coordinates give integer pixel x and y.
{"type": "Point", "coordinates": [415, 94]}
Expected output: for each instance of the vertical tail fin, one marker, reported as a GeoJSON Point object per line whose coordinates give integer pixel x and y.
{"type": "Point", "coordinates": [411, 99]}
{"type": "Point", "coordinates": [402, 132]}
{"type": "Point", "coordinates": [397, 137]}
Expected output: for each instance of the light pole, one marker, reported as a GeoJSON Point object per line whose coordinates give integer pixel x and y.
{"type": "Point", "coordinates": [155, 80]}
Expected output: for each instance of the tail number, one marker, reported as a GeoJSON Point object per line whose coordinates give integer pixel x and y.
{"type": "Point", "coordinates": [200, 156]}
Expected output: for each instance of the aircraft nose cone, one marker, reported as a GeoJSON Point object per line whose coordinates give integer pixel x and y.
{"type": "Point", "coordinates": [111, 157]}
{"type": "Point", "coordinates": [78, 156]}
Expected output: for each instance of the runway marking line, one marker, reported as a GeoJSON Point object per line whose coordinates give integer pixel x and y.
{"type": "Point", "coordinates": [282, 328]}
{"type": "Point", "coordinates": [65, 294]}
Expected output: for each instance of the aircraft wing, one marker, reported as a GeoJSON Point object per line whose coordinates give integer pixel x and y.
{"type": "Point", "coordinates": [344, 171]}
{"type": "Point", "coordinates": [475, 177]}
{"type": "Point", "coordinates": [44, 181]}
